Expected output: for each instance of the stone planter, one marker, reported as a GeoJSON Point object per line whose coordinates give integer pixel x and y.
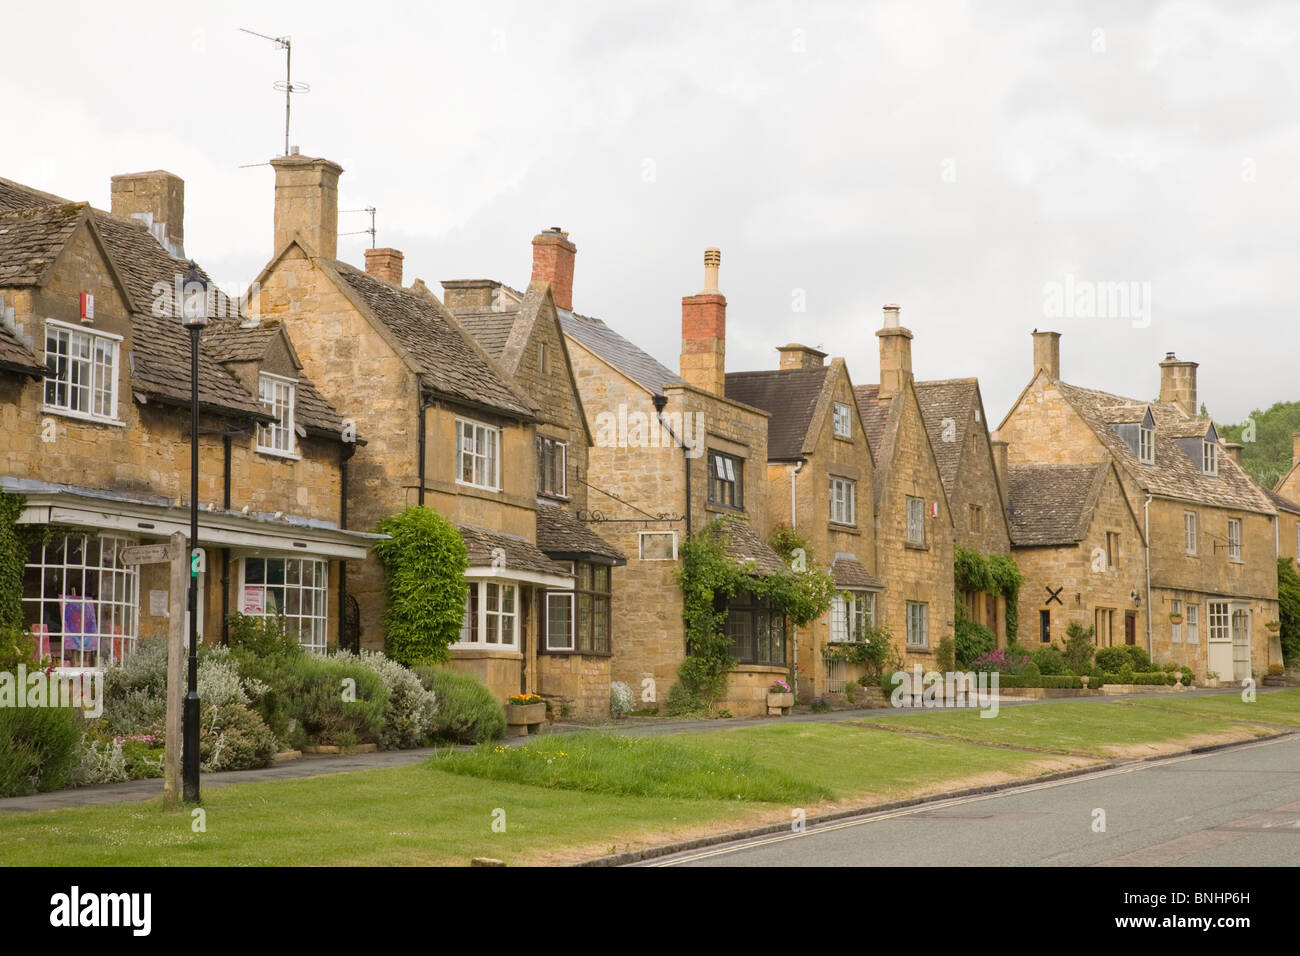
{"type": "Point", "coordinates": [1211, 682]}
{"type": "Point", "coordinates": [1084, 680]}
{"type": "Point", "coordinates": [778, 705]}
{"type": "Point", "coordinates": [525, 719]}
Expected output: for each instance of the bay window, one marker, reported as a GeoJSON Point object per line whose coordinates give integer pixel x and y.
{"type": "Point", "coordinates": [491, 615]}
{"type": "Point", "coordinates": [80, 601]}
{"type": "Point", "coordinates": [756, 630]}
{"type": "Point", "coordinates": [291, 589]}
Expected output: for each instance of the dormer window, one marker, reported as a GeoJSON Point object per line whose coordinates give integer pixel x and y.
{"type": "Point", "coordinates": [1146, 445]}
{"type": "Point", "coordinates": [277, 395]}
{"type": "Point", "coordinates": [1210, 457]}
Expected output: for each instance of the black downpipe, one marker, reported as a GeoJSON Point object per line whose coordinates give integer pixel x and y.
{"type": "Point", "coordinates": [225, 552]}
{"type": "Point", "coordinates": [345, 455]}
{"type": "Point", "coordinates": [419, 492]}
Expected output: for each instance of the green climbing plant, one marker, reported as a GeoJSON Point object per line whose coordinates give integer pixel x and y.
{"type": "Point", "coordinates": [992, 574]}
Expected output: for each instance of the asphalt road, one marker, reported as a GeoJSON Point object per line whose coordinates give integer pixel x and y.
{"type": "Point", "coordinates": [1236, 807]}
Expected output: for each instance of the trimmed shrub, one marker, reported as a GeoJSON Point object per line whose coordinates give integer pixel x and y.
{"type": "Point", "coordinates": [1049, 660]}
{"type": "Point", "coordinates": [263, 636]}
{"type": "Point", "coordinates": [1186, 675]}
{"type": "Point", "coordinates": [467, 712]}
{"type": "Point", "coordinates": [1030, 672]}
{"type": "Point", "coordinates": [310, 689]}
{"type": "Point", "coordinates": [412, 708]}
{"type": "Point", "coordinates": [970, 641]}
{"type": "Point", "coordinates": [1111, 659]}
{"type": "Point", "coordinates": [233, 737]}
{"type": "Point", "coordinates": [38, 748]}
{"type": "Point", "coordinates": [424, 566]}
{"type": "Point", "coordinates": [946, 655]}
{"type": "Point", "coordinates": [1078, 647]}
{"type": "Point", "coordinates": [620, 700]}
{"type": "Point", "coordinates": [1096, 678]}
{"type": "Point", "coordinates": [1141, 663]}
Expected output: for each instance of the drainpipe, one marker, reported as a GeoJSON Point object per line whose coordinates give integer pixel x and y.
{"type": "Point", "coordinates": [346, 452]}
{"type": "Point", "coordinates": [225, 552]}
{"type": "Point", "coordinates": [794, 631]}
{"type": "Point", "coordinates": [424, 407]}
{"type": "Point", "coordinates": [1146, 533]}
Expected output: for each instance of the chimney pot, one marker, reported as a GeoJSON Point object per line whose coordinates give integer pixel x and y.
{"type": "Point", "coordinates": [553, 259]}
{"type": "Point", "coordinates": [712, 260]}
{"type": "Point", "coordinates": [895, 355]}
{"type": "Point", "coordinates": [385, 264]}
{"type": "Point", "coordinates": [307, 203]}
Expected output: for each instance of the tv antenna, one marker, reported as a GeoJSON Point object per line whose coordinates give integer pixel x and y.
{"type": "Point", "coordinates": [287, 86]}
{"type": "Point", "coordinates": [368, 232]}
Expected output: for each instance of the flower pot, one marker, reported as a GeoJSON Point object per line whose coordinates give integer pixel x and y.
{"type": "Point", "coordinates": [1175, 619]}
{"type": "Point", "coordinates": [779, 704]}
{"type": "Point", "coordinates": [1084, 680]}
{"type": "Point", "coordinates": [1273, 628]}
{"type": "Point", "coordinates": [524, 719]}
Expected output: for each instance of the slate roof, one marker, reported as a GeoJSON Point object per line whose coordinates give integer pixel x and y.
{"type": "Point", "coordinates": [874, 415]}
{"type": "Point", "coordinates": [790, 395]}
{"type": "Point", "coordinates": [743, 545]}
{"type": "Point", "coordinates": [450, 363]}
{"type": "Point", "coordinates": [30, 240]}
{"type": "Point", "coordinates": [1052, 504]}
{"type": "Point", "coordinates": [490, 329]}
{"type": "Point", "coordinates": [561, 535]}
{"type": "Point", "coordinates": [602, 341]}
{"type": "Point", "coordinates": [1174, 474]}
{"type": "Point", "coordinates": [848, 572]}
{"type": "Point", "coordinates": [521, 554]}
{"type": "Point", "coordinates": [1281, 503]}
{"type": "Point", "coordinates": [942, 400]}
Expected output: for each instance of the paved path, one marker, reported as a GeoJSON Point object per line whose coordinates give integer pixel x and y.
{"type": "Point", "coordinates": [138, 790]}
{"type": "Point", "coordinates": [1233, 807]}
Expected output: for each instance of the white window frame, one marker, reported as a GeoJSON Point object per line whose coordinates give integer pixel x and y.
{"type": "Point", "coordinates": [1175, 630]}
{"type": "Point", "coordinates": [1209, 458]}
{"type": "Point", "coordinates": [317, 638]}
{"type": "Point", "coordinates": [918, 615]}
{"type": "Point", "coordinates": [543, 442]}
{"type": "Point", "coordinates": [279, 437]}
{"type": "Point", "coordinates": [640, 544]}
{"type": "Point", "coordinates": [1192, 617]}
{"type": "Point", "coordinates": [1146, 445]}
{"type": "Point", "coordinates": [1190, 532]}
{"type": "Point", "coordinates": [116, 605]}
{"type": "Point", "coordinates": [95, 388]}
{"type": "Point", "coordinates": [1220, 622]}
{"type": "Point", "coordinates": [1234, 539]}
{"type": "Point", "coordinates": [485, 454]}
{"type": "Point", "coordinates": [917, 504]}
{"type": "Point", "coordinates": [484, 589]}
{"type": "Point", "coordinates": [566, 596]}
{"type": "Point", "coordinates": [842, 417]}
{"type": "Point", "coordinates": [843, 501]}
{"type": "Point", "coordinates": [853, 606]}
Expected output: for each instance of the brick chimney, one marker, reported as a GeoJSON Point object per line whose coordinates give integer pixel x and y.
{"type": "Point", "coordinates": [1047, 353]}
{"type": "Point", "coordinates": [704, 332]}
{"type": "Point", "coordinates": [307, 203]}
{"type": "Point", "coordinates": [156, 198]}
{"type": "Point", "coordinates": [895, 355]}
{"type": "Point", "coordinates": [385, 264]}
{"type": "Point", "coordinates": [553, 256]}
{"type": "Point", "coordinates": [800, 356]}
{"type": "Point", "coordinates": [1178, 383]}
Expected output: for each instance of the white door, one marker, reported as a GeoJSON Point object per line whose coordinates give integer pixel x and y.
{"type": "Point", "coordinates": [1240, 645]}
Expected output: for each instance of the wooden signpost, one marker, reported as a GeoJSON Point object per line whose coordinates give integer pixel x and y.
{"type": "Point", "coordinates": [175, 553]}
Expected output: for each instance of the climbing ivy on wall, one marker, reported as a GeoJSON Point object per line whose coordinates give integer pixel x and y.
{"type": "Point", "coordinates": [992, 574]}
{"type": "Point", "coordinates": [13, 560]}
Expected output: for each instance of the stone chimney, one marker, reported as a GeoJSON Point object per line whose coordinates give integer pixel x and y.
{"type": "Point", "coordinates": [307, 203]}
{"type": "Point", "coordinates": [800, 356]}
{"type": "Point", "coordinates": [895, 356]}
{"type": "Point", "coordinates": [553, 256]}
{"type": "Point", "coordinates": [1234, 449]}
{"type": "Point", "coordinates": [157, 199]}
{"type": "Point", "coordinates": [385, 264]}
{"type": "Point", "coordinates": [704, 332]}
{"type": "Point", "coordinates": [1000, 462]}
{"type": "Point", "coordinates": [1047, 353]}
{"type": "Point", "coordinates": [1178, 383]}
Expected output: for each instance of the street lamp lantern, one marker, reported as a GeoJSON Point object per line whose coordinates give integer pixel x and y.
{"type": "Point", "coordinates": [194, 317]}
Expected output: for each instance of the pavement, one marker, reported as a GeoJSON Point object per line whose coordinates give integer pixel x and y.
{"type": "Point", "coordinates": [132, 791]}
{"type": "Point", "coordinates": [1234, 806]}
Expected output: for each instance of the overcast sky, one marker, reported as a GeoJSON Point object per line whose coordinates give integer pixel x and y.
{"type": "Point", "coordinates": [970, 162]}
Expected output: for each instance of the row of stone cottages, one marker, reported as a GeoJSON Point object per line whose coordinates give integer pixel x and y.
{"type": "Point", "coordinates": [348, 396]}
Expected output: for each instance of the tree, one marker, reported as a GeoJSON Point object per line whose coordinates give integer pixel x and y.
{"type": "Point", "coordinates": [1266, 441]}
{"type": "Point", "coordinates": [424, 579]}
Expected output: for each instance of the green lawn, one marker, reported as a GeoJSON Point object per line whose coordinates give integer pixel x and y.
{"type": "Point", "coordinates": [1273, 707]}
{"type": "Point", "coordinates": [1092, 728]}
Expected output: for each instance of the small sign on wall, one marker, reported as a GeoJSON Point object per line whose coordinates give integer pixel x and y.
{"type": "Point", "coordinates": [87, 307]}
{"type": "Point", "coordinates": [254, 601]}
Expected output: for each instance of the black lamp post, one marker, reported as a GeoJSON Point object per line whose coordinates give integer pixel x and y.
{"type": "Point", "coordinates": [194, 318]}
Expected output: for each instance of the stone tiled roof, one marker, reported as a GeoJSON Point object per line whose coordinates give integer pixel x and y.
{"type": "Point", "coordinates": [603, 342]}
{"type": "Point", "coordinates": [743, 545]}
{"type": "Point", "coordinates": [561, 535]}
{"type": "Point", "coordinates": [521, 554]}
{"type": "Point", "coordinates": [874, 415]}
{"type": "Point", "coordinates": [790, 395]}
{"type": "Point", "coordinates": [948, 400]}
{"type": "Point", "coordinates": [848, 572]}
{"type": "Point", "coordinates": [17, 196]}
{"type": "Point", "coordinates": [1052, 504]}
{"type": "Point", "coordinates": [448, 360]}
{"type": "Point", "coordinates": [30, 239]}
{"type": "Point", "coordinates": [1174, 474]}
{"type": "Point", "coordinates": [16, 356]}
{"type": "Point", "coordinates": [490, 329]}
{"type": "Point", "coordinates": [1281, 503]}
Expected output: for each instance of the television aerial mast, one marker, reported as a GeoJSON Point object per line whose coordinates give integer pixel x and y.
{"type": "Point", "coordinates": [286, 85]}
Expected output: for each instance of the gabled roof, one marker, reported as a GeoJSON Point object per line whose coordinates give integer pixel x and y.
{"type": "Point", "coordinates": [561, 535]}
{"type": "Point", "coordinates": [491, 329]}
{"type": "Point", "coordinates": [520, 553]}
{"type": "Point", "coordinates": [848, 572]}
{"type": "Point", "coordinates": [442, 352]}
{"type": "Point", "coordinates": [1281, 503]}
{"type": "Point", "coordinates": [31, 238]}
{"type": "Point", "coordinates": [942, 401]}
{"type": "Point", "coordinates": [1174, 474]}
{"type": "Point", "coordinates": [606, 344]}
{"type": "Point", "coordinates": [1052, 504]}
{"type": "Point", "coordinates": [790, 395]}
{"type": "Point", "coordinates": [882, 427]}
{"type": "Point", "coordinates": [743, 545]}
